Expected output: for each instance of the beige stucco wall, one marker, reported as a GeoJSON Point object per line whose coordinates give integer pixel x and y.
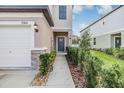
{"type": "Point", "coordinates": [62, 26]}
{"type": "Point", "coordinates": [43, 38]}
{"type": "Point", "coordinates": [65, 24]}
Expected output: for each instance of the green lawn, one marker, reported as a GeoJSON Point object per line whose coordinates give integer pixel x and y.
{"type": "Point", "coordinates": [109, 60]}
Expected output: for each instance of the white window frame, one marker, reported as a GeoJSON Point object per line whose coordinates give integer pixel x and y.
{"type": "Point", "coordinates": [65, 13]}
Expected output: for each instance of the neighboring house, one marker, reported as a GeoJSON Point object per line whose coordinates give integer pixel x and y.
{"type": "Point", "coordinates": [108, 31]}
{"type": "Point", "coordinates": [27, 30]}
{"type": "Point", "coordinates": [75, 39]}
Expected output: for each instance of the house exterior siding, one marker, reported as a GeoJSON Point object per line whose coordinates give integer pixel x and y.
{"type": "Point", "coordinates": [109, 25]}
{"type": "Point", "coordinates": [102, 41]}
{"type": "Point", "coordinates": [43, 36]}
{"type": "Point", "coordinates": [63, 24]}
{"type": "Point", "coordinates": [45, 27]}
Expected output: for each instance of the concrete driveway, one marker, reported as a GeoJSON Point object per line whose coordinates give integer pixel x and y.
{"type": "Point", "coordinates": [16, 78]}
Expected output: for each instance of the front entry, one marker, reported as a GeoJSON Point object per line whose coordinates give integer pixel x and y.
{"type": "Point", "coordinates": [61, 44]}
{"type": "Point", "coordinates": [117, 42]}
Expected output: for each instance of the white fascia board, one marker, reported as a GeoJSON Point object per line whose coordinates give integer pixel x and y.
{"type": "Point", "coordinates": [23, 14]}
{"type": "Point", "coordinates": [58, 29]}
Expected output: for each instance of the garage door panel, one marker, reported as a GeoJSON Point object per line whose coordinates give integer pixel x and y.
{"type": "Point", "coordinates": [14, 37]}
{"type": "Point", "coordinates": [12, 61]}
{"type": "Point", "coordinates": [14, 52]}
{"type": "Point", "coordinates": [15, 45]}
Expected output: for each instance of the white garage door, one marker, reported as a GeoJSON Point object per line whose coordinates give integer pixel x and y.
{"type": "Point", "coordinates": [15, 43]}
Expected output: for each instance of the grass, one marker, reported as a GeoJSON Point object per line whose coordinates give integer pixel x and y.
{"type": "Point", "coordinates": [109, 60]}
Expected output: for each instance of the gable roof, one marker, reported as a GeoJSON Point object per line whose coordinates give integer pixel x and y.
{"type": "Point", "coordinates": [101, 18]}
{"type": "Point", "coordinates": [29, 8]}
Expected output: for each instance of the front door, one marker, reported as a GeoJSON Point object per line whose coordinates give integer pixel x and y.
{"type": "Point", "coordinates": [117, 42]}
{"type": "Point", "coordinates": [61, 43]}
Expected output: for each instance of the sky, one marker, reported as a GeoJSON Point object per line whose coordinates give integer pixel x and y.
{"type": "Point", "coordinates": [87, 14]}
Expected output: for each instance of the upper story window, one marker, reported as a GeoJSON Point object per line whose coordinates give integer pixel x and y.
{"type": "Point", "coordinates": [62, 12]}
{"type": "Point", "coordinates": [94, 41]}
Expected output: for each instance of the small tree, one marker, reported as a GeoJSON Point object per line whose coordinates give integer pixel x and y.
{"type": "Point", "coordinates": [85, 45]}
{"type": "Point", "coordinates": [90, 65]}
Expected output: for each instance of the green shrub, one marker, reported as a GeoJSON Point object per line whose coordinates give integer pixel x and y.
{"type": "Point", "coordinates": [52, 56]}
{"type": "Point", "coordinates": [46, 59]}
{"type": "Point", "coordinates": [111, 78]}
{"type": "Point", "coordinates": [95, 75]}
{"type": "Point", "coordinates": [72, 53]}
{"type": "Point", "coordinates": [117, 52]}
{"type": "Point", "coordinates": [109, 51]}
{"type": "Point", "coordinates": [91, 67]}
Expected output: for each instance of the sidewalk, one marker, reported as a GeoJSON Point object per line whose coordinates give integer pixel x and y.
{"type": "Point", "coordinates": [60, 77]}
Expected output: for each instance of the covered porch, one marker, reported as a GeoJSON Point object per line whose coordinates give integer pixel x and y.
{"type": "Point", "coordinates": [61, 41]}
{"type": "Point", "coordinates": [117, 40]}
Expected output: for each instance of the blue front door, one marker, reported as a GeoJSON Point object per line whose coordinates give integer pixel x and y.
{"type": "Point", "coordinates": [61, 42]}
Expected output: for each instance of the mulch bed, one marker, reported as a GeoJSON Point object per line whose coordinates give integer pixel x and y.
{"type": "Point", "coordinates": [42, 80]}
{"type": "Point", "coordinates": [77, 75]}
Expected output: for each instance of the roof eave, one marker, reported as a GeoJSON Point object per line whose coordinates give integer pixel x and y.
{"type": "Point", "coordinates": [29, 8]}
{"type": "Point", "coordinates": [101, 18]}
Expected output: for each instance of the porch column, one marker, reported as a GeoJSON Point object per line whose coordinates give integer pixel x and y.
{"type": "Point", "coordinates": [122, 39]}
{"type": "Point", "coordinates": [70, 37]}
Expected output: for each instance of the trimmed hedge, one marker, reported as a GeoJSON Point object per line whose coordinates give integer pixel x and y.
{"type": "Point", "coordinates": [112, 78]}
{"type": "Point", "coordinates": [117, 52]}
{"type": "Point", "coordinates": [46, 61]}
{"type": "Point", "coordinates": [91, 68]}
{"type": "Point", "coordinates": [95, 75]}
{"type": "Point", "coordinates": [109, 51]}
{"type": "Point", "coordinates": [72, 53]}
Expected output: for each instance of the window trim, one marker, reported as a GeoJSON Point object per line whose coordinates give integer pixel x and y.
{"type": "Point", "coordinates": [94, 41]}
{"type": "Point", "coordinates": [64, 9]}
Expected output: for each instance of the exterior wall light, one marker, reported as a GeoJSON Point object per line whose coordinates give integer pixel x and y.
{"type": "Point", "coordinates": [36, 27]}
{"type": "Point", "coordinates": [103, 21]}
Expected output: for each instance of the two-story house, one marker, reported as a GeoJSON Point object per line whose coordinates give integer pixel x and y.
{"type": "Point", "coordinates": [29, 30]}
{"type": "Point", "coordinates": [108, 31]}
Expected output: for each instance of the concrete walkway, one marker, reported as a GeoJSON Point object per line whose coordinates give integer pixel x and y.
{"type": "Point", "coordinates": [60, 77]}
